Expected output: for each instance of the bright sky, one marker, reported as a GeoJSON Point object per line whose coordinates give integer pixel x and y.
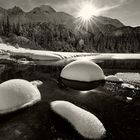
{"type": "Point", "coordinates": [127, 11]}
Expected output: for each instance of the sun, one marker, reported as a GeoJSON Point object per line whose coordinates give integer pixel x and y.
{"type": "Point", "coordinates": [85, 15]}
{"type": "Point", "coordinates": [87, 10]}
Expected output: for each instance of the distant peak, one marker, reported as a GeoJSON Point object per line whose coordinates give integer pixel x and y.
{"type": "Point", "coordinates": [2, 9]}
{"type": "Point", "coordinates": [108, 20]}
{"type": "Point", "coordinates": [43, 8]}
{"type": "Point", "coordinates": [47, 7]}
{"type": "Point", "coordinates": [15, 10]}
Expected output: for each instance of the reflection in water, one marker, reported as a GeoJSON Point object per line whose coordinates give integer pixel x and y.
{"type": "Point", "coordinates": [84, 92]}
{"type": "Point", "coordinates": [29, 72]}
{"type": "Point", "coordinates": [93, 91]}
{"type": "Point", "coordinates": [45, 73]}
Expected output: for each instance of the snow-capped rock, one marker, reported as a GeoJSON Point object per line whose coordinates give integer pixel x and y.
{"type": "Point", "coordinates": [113, 78]}
{"type": "Point", "coordinates": [128, 86]}
{"type": "Point", "coordinates": [129, 99]}
{"type": "Point", "coordinates": [16, 94]}
{"type": "Point", "coordinates": [36, 83]}
{"type": "Point", "coordinates": [82, 75]}
{"type": "Point", "coordinates": [85, 123]}
{"type": "Point", "coordinates": [85, 71]}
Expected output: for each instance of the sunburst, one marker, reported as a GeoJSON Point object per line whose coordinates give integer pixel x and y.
{"type": "Point", "coordinates": [86, 13]}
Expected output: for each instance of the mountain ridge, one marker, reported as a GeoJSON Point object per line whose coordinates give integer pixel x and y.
{"type": "Point", "coordinates": [46, 13]}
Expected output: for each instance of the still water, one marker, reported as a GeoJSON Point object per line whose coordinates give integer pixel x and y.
{"type": "Point", "coordinates": [120, 118]}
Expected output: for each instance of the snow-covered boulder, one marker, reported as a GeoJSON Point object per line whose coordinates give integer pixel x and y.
{"type": "Point", "coordinates": [16, 94]}
{"type": "Point", "coordinates": [82, 75]}
{"type": "Point", "coordinates": [129, 99]}
{"type": "Point", "coordinates": [36, 83]}
{"type": "Point", "coordinates": [86, 71]}
{"type": "Point", "coordinates": [113, 78]}
{"type": "Point", "coordinates": [85, 123]}
{"type": "Point", "coordinates": [127, 86]}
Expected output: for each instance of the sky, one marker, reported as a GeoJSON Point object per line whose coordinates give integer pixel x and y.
{"type": "Point", "coordinates": [127, 11]}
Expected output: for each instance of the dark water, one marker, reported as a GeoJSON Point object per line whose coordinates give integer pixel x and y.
{"type": "Point", "coordinates": [120, 118]}
{"type": "Point", "coordinates": [32, 72]}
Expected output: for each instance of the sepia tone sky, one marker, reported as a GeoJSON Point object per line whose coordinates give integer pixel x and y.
{"type": "Point", "coordinates": [127, 11]}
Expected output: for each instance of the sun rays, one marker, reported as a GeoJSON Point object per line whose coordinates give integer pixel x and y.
{"type": "Point", "coordinates": [85, 14]}
{"type": "Point", "coordinates": [87, 11]}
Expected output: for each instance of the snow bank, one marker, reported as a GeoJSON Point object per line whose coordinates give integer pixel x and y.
{"type": "Point", "coordinates": [126, 56]}
{"type": "Point", "coordinates": [16, 94]}
{"type": "Point", "coordinates": [86, 71]}
{"type": "Point", "coordinates": [6, 47]}
{"type": "Point", "coordinates": [114, 56]}
{"type": "Point", "coordinates": [33, 54]}
{"type": "Point", "coordinates": [86, 124]}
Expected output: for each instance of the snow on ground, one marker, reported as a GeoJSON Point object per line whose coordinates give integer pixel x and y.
{"type": "Point", "coordinates": [58, 58]}
{"type": "Point", "coordinates": [132, 78]}
{"type": "Point", "coordinates": [34, 54]}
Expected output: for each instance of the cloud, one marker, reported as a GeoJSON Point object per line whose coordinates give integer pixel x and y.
{"type": "Point", "coordinates": [111, 4]}
{"type": "Point", "coordinates": [71, 6]}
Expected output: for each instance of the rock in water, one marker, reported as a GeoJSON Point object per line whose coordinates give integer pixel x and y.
{"type": "Point", "coordinates": [16, 94]}
{"type": "Point", "coordinates": [36, 83]}
{"type": "Point", "coordinates": [113, 78]}
{"type": "Point", "coordinates": [86, 71]}
{"type": "Point", "coordinates": [127, 86]}
{"type": "Point", "coordinates": [82, 75]}
{"type": "Point", "coordinates": [86, 124]}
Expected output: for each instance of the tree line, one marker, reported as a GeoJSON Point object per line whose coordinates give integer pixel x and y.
{"type": "Point", "coordinates": [48, 36]}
